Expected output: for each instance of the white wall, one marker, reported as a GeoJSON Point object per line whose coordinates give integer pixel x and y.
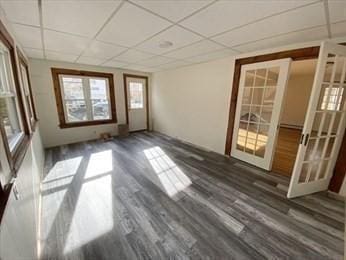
{"type": "Point", "coordinates": [42, 84]}
{"type": "Point", "coordinates": [191, 103]}
{"type": "Point", "coordinates": [19, 224]}
{"type": "Point", "coordinates": [297, 99]}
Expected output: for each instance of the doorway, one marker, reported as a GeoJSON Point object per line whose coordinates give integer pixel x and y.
{"type": "Point", "coordinates": [295, 105]}
{"type": "Point", "coordinates": [324, 122]}
{"type": "Point", "coordinates": [136, 102]}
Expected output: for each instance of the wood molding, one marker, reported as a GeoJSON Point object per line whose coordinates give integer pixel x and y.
{"type": "Point", "coordinates": [23, 61]}
{"type": "Point", "coordinates": [125, 76]}
{"type": "Point", "coordinates": [59, 102]}
{"type": "Point", "coordinates": [14, 155]}
{"type": "Point", "coordinates": [296, 54]}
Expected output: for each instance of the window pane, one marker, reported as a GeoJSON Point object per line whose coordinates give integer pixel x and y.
{"type": "Point", "coordinates": [98, 89]}
{"type": "Point", "coordinates": [73, 88]}
{"type": "Point", "coordinates": [10, 120]}
{"type": "Point", "coordinates": [76, 110]}
{"type": "Point", "coordinates": [136, 95]}
{"type": "Point", "coordinates": [100, 109]}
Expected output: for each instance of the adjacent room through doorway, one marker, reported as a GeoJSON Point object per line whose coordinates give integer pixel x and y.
{"type": "Point", "coordinates": [295, 105]}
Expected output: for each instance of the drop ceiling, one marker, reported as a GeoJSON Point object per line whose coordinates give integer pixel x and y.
{"type": "Point", "coordinates": [128, 34]}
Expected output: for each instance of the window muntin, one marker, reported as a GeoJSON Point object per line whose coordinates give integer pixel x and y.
{"type": "Point", "coordinates": [85, 99]}
{"type": "Point", "coordinates": [136, 95]}
{"type": "Point", "coordinates": [9, 107]}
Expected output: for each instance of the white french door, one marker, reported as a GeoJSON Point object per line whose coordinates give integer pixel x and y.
{"type": "Point", "coordinates": [261, 91]}
{"type": "Point", "coordinates": [324, 125]}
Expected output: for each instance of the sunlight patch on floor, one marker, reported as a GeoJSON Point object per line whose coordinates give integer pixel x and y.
{"type": "Point", "coordinates": [171, 177]}
{"type": "Point", "coordinates": [99, 163]}
{"type": "Point", "coordinates": [63, 169]}
{"type": "Point", "coordinates": [93, 213]}
{"type": "Point", "coordinates": [52, 192]}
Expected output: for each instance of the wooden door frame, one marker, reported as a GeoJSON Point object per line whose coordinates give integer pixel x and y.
{"type": "Point", "coordinates": [125, 76]}
{"type": "Point", "coordinates": [295, 54]}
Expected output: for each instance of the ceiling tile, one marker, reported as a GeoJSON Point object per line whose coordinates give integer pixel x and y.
{"type": "Point", "coordinates": [34, 53]}
{"type": "Point", "coordinates": [155, 61]}
{"type": "Point", "coordinates": [65, 43]}
{"type": "Point", "coordinates": [318, 33]}
{"type": "Point", "coordinates": [115, 64]}
{"type": "Point", "coordinates": [137, 68]}
{"type": "Point", "coordinates": [172, 65]}
{"type": "Point", "coordinates": [28, 36]}
{"type": "Point", "coordinates": [131, 25]}
{"type": "Point", "coordinates": [338, 29]}
{"type": "Point", "coordinates": [195, 49]}
{"type": "Point", "coordinates": [78, 17]}
{"type": "Point", "coordinates": [173, 10]}
{"type": "Point", "coordinates": [298, 19]}
{"type": "Point", "coordinates": [132, 56]}
{"type": "Point", "coordinates": [24, 12]}
{"type": "Point", "coordinates": [51, 55]}
{"type": "Point", "coordinates": [212, 55]}
{"type": "Point", "coordinates": [337, 10]}
{"type": "Point", "coordinates": [103, 50]}
{"type": "Point", "coordinates": [178, 36]}
{"type": "Point", "coordinates": [225, 15]}
{"type": "Point", "coordinates": [90, 60]}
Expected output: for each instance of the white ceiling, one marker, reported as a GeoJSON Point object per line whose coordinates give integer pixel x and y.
{"type": "Point", "coordinates": [127, 34]}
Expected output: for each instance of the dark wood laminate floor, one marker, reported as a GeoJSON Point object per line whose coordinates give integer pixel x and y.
{"type": "Point", "coordinates": [148, 196]}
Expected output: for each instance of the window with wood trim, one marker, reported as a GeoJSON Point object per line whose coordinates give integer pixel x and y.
{"type": "Point", "coordinates": [83, 97]}
{"type": "Point", "coordinates": [12, 123]}
{"type": "Point", "coordinates": [26, 90]}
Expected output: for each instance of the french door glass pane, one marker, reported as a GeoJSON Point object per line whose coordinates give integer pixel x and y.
{"type": "Point", "coordinates": [10, 120]}
{"type": "Point", "coordinates": [100, 109]}
{"type": "Point", "coordinates": [76, 110]}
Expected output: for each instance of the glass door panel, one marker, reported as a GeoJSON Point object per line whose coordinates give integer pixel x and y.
{"type": "Point", "coordinates": [261, 90]}
{"type": "Point", "coordinates": [324, 125]}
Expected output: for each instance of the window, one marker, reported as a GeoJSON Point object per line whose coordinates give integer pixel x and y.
{"type": "Point", "coordinates": [9, 102]}
{"type": "Point", "coordinates": [136, 95]}
{"type": "Point", "coordinates": [84, 98]}
{"type": "Point", "coordinates": [332, 98]}
{"type": "Point", "coordinates": [26, 89]}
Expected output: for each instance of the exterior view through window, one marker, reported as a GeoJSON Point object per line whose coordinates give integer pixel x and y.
{"type": "Point", "coordinates": [9, 101]}
{"type": "Point", "coordinates": [136, 95]}
{"type": "Point", "coordinates": [84, 98]}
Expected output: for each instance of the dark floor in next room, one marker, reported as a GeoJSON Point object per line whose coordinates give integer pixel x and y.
{"type": "Point", "coordinates": [148, 196]}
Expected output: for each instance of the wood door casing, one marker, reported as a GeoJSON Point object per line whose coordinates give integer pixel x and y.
{"type": "Point", "coordinates": [125, 76]}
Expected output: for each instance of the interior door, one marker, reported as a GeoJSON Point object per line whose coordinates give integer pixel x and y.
{"type": "Point", "coordinates": [324, 125]}
{"type": "Point", "coordinates": [136, 90]}
{"type": "Point", "coordinates": [261, 91]}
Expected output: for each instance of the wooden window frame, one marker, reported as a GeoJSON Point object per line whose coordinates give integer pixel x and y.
{"type": "Point", "coordinates": [23, 61]}
{"type": "Point", "coordinates": [16, 156]}
{"type": "Point", "coordinates": [125, 76]}
{"type": "Point", "coordinates": [295, 54]}
{"type": "Point", "coordinates": [56, 72]}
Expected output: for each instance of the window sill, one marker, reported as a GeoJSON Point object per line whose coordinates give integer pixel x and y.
{"type": "Point", "coordinates": [88, 123]}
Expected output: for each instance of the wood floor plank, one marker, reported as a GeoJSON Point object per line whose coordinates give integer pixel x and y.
{"type": "Point", "coordinates": [150, 196]}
